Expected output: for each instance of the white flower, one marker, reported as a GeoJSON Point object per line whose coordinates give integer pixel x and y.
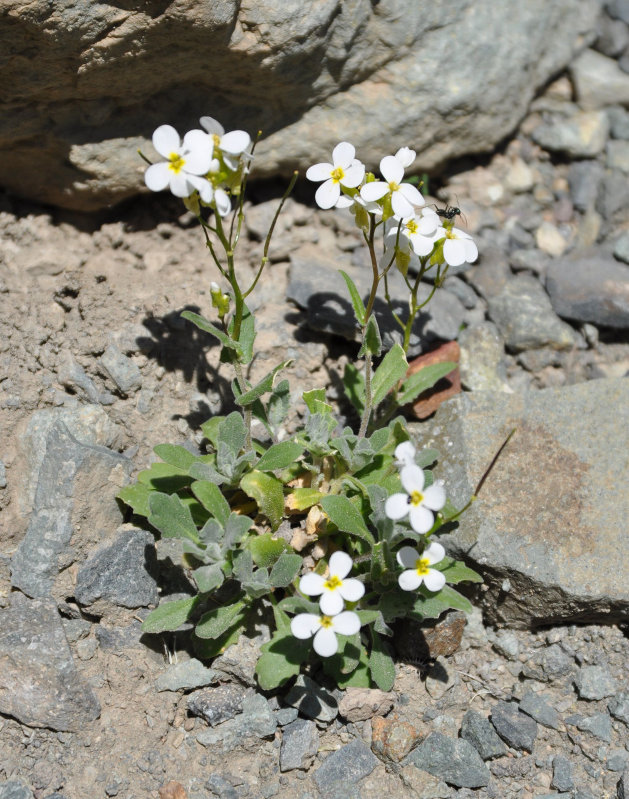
{"type": "Point", "coordinates": [185, 162]}
{"type": "Point", "coordinates": [333, 588]}
{"type": "Point", "coordinates": [345, 170]}
{"type": "Point", "coordinates": [418, 569]}
{"type": "Point", "coordinates": [405, 156]}
{"type": "Point", "coordinates": [404, 197]}
{"type": "Point", "coordinates": [420, 230]}
{"type": "Point", "coordinates": [325, 629]}
{"type": "Point", "coordinates": [458, 247]}
{"type": "Point", "coordinates": [232, 145]}
{"type": "Point", "coordinates": [405, 454]}
{"type": "Point", "coordinates": [418, 503]}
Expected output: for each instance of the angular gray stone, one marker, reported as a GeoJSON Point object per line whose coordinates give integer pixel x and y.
{"type": "Point", "coordinates": [617, 759]}
{"type": "Point", "coordinates": [619, 707]}
{"type": "Point", "coordinates": [118, 573]}
{"type": "Point", "coordinates": [256, 721]}
{"type": "Point", "coordinates": [312, 700]}
{"type": "Point", "coordinates": [76, 482]}
{"type": "Point", "coordinates": [582, 135]}
{"type": "Point", "coordinates": [454, 761]}
{"type": "Point", "coordinates": [15, 789]}
{"type": "Point", "coordinates": [536, 706]}
{"type": "Point", "coordinates": [517, 729]}
{"type": "Point", "coordinates": [550, 509]}
{"type": "Point", "coordinates": [621, 247]}
{"type": "Point", "coordinates": [599, 725]}
{"type": "Point", "coordinates": [122, 370]}
{"type": "Point", "coordinates": [331, 72]}
{"type": "Point", "coordinates": [188, 674]}
{"type": "Point", "coordinates": [478, 731]}
{"type": "Point", "coordinates": [563, 777]}
{"type": "Point", "coordinates": [584, 178]}
{"type": "Point", "coordinates": [216, 705]}
{"type": "Point", "coordinates": [72, 375]}
{"type": "Point", "coordinates": [482, 358]}
{"type": "Point", "coordinates": [525, 318]}
{"type": "Point", "coordinates": [594, 682]}
{"type": "Point", "coordinates": [599, 81]}
{"type": "Point", "coordinates": [300, 744]}
{"type": "Point", "coordinates": [593, 288]}
{"type": "Point", "coordinates": [345, 767]}
{"type": "Point", "coordinates": [40, 684]}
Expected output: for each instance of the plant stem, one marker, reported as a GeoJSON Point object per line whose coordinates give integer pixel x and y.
{"type": "Point", "coordinates": [364, 422]}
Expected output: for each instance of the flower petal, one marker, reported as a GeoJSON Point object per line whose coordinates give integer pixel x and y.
{"type": "Point", "coordinates": [352, 590]}
{"type": "Point", "coordinates": [471, 251]}
{"type": "Point", "coordinates": [312, 584]}
{"type": "Point", "coordinates": [401, 206]}
{"type": "Point", "coordinates": [343, 154]}
{"type": "Point", "coordinates": [223, 203]}
{"type": "Point", "coordinates": [409, 580]}
{"type": "Point", "coordinates": [412, 194]}
{"type": "Point", "coordinates": [318, 172]}
{"type": "Point", "coordinates": [344, 201]}
{"type": "Point", "coordinates": [212, 126]}
{"type": "Point", "coordinates": [434, 553]}
{"type": "Point", "coordinates": [325, 643]}
{"type": "Point", "coordinates": [305, 625]}
{"type": "Point", "coordinates": [235, 142]}
{"type": "Point", "coordinates": [179, 184]}
{"type": "Point", "coordinates": [422, 245]}
{"type": "Point", "coordinates": [454, 252]}
{"type": "Point", "coordinates": [346, 623]}
{"type": "Point", "coordinates": [340, 564]}
{"type": "Point", "coordinates": [407, 557]}
{"type": "Point", "coordinates": [405, 453]}
{"type": "Point", "coordinates": [421, 518]}
{"type": "Point", "coordinates": [434, 580]}
{"type": "Point", "coordinates": [327, 194]}
{"type": "Point", "coordinates": [434, 496]}
{"type": "Point", "coordinates": [412, 478]}
{"type": "Point", "coordinates": [405, 156]}
{"type": "Point", "coordinates": [166, 140]}
{"type": "Point", "coordinates": [374, 191]}
{"type": "Point", "coordinates": [353, 176]}
{"type": "Point", "coordinates": [157, 176]}
{"type": "Point", "coordinates": [331, 602]}
{"type": "Point", "coordinates": [391, 169]}
{"type": "Point", "coordinates": [396, 506]}
{"type": "Point", "coordinates": [198, 148]}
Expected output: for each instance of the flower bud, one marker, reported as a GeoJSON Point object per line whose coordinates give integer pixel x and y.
{"type": "Point", "coordinates": [220, 301]}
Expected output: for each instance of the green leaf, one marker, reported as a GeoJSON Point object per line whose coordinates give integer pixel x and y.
{"type": "Point", "coordinates": [232, 433]}
{"type": "Point", "coordinates": [285, 570]}
{"type": "Point", "coordinates": [426, 457]}
{"type": "Point", "coordinates": [315, 401]}
{"type": "Point", "coordinates": [169, 515]}
{"type": "Point", "coordinates": [164, 477]}
{"type": "Point", "coordinates": [247, 335]}
{"type": "Point", "coordinates": [431, 606]}
{"type": "Point", "coordinates": [391, 370]}
{"type": "Point", "coordinates": [175, 455]}
{"type": "Point", "coordinates": [298, 604]}
{"type": "Point", "coordinates": [169, 615]}
{"type": "Point", "coordinates": [136, 496]}
{"type": "Point", "coordinates": [236, 527]}
{"type": "Point", "coordinates": [211, 497]}
{"type": "Point", "coordinates": [381, 664]}
{"type": "Point", "coordinates": [422, 380]}
{"type": "Point", "coordinates": [373, 341]}
{"type": "Point", "coordinates": [264, 386]}
{"type": "Point", "coordinates": [279, 456]}
{"type": "Point", "coordinates": [204, 324]}
{"type": "Point", "coordinates": [208, 648]}
{"type": "Point", "coordinates": [265, 549]}
{"type": "Point", "coordinates": [268, 493]}
{"type": "Point", "coordinates": [278, 404]}
{"type": "Point", "coordinates": [346, 517]}
{"type": "Point", "coordinates": [215, 622]}
{"type": "Point", "coordinates": [303, 498]}
{"type": "Point", "coordinates": [457, 572]}
{"type": "Point", "coordinates": [359, 306]}
{"type": "Point", "coordinates": [280, 660]}
{"type": "Point", "coordinates": [354, 385]}
{"type": "Point", "coordinates": [350, 665]}
{"type": "Point", "coordinates": [208, 578]}
{"type": "Point", "coordinates": [210, 429]}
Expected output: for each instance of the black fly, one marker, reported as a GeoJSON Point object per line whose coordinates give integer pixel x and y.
{"type": "Point", "coordinates": [449, 212]}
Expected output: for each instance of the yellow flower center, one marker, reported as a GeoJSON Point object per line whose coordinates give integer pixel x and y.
{"type": "Point", "coordinates": [176, 162]}
{"type": "Point", "coordinates": [216, 139]}
{"type": "Point", "coordinates": [417, 498]}
{"type": "Point", "coordinates": [393, 186]}
{"type": "Point", "coordinates": [421, 566]}
{"type": "Point", "coordinates": [332, 583]}
{"type": "Point", "coordinates": [450, 234]}
{"type": "Point", "coordinates": [326, 621]}
{"type": "Point", "coordinates": [411, 226]}
{"type": "Point", "coordinates": [337, 174]}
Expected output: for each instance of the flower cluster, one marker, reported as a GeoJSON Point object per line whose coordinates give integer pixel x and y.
{"type": "Point", "coordinates": [334, 590]}
{"type": "Point", "coordinates": [206, 165]}
{"type": "Point", "coordinates": [417, 232]}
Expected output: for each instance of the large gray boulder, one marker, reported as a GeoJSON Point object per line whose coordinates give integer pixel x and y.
{"type": "Point", "coordinates": [548, 531]}
{"type": "Point", "coordinates": [86, 83]}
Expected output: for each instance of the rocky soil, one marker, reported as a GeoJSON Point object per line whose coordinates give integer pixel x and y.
{"type": "Point", "coordinates": [96, 367]}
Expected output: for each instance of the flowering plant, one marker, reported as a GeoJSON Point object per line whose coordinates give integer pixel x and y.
{"type": "Point", "coordinates": [280, 522]}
